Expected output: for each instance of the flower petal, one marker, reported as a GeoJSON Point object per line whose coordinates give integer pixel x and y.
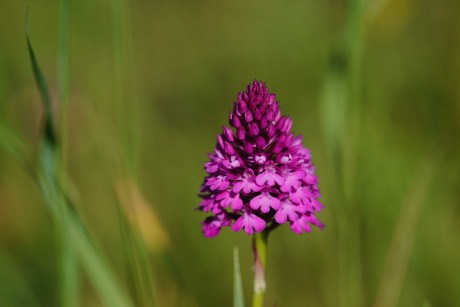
{"type": "Point", "coordinates": [250, 222]}
{"type": "Point", "coordinates": [264, 201]}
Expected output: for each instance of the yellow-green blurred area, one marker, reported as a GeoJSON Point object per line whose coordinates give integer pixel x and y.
{"type": "Point", "coordinates": [373, 87]}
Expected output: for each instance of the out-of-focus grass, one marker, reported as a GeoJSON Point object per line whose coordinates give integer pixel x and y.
{"type": "Point", "coordinates": [188, 61]}
{"type": "Point", "coordinates": [129, 196]}
{"type": "Point", "coordinates": [400, 250]}
{"type": "Point", "coordinates": [72, 233]}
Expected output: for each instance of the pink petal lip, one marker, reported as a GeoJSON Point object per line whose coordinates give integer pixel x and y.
{"type": "Point", "coordinates": [265, 201]}
{"type": "Point", "coordinates": [269, 177]}
{"type": "Point", "coordinates": [249, 222]}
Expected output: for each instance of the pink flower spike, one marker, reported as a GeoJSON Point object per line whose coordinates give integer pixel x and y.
{"type": "Point", "coordinates": [259, 172]}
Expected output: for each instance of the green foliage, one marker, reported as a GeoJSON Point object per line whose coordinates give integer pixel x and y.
{"type": "Point", "coordinates": [60, 207]}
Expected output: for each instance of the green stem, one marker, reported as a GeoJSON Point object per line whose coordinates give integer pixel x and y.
{"type": "Point", "coordinates": [259, 248]}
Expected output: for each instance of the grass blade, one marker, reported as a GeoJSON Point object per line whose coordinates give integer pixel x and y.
{"type": "Point", "coordinates": [126, 118]}
{"type": "Point", "coordinates": [238, 295]}
{"type": "Point", "coordinates": [42, 86]}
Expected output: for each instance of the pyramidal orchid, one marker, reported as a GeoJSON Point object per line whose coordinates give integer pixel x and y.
{"type": "Point", "coordinates": [259, 176]}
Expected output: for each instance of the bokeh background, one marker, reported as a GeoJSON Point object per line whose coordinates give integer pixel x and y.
{"type": "Point", "coordinates": [373, 86]}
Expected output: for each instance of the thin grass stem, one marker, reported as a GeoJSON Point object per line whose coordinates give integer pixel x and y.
{"type": "Point", "coordinates": [125, 120]}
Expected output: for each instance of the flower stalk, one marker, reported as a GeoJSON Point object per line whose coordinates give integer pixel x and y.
{"type": "Point", "coordinates": [259, 248]}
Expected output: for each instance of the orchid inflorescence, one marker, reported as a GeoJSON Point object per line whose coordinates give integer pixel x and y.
{"type": "Point", "coordinates": [260, 175]}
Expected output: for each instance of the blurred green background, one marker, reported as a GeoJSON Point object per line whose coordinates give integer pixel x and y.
{"type": "Point", "coordinates": [373, 86]}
